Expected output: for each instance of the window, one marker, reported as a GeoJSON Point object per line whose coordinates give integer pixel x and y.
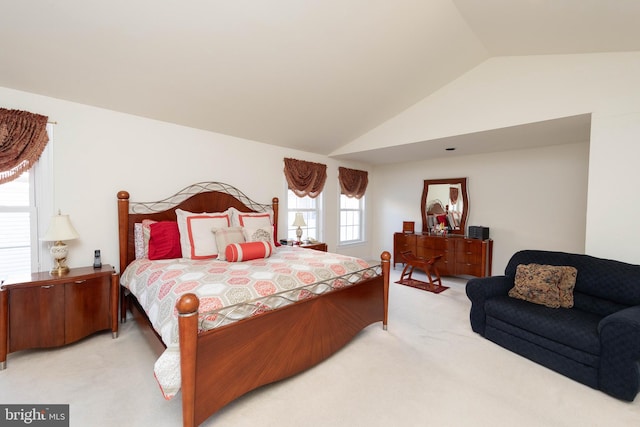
{"type": "Point", "coordinates": [310, 209]}
{"type": "Point", "coordinates": [25, 209]}
{"type": "Point", "coordinates": [16, 212]}
{"type": "Point", "coordinates": [351, 219]}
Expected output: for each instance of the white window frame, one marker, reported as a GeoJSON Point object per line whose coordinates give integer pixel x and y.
{"type": "Point", "coordinates": [40, 208]}
{"type": "Point", "coordinates": [360, 213]}
{"type": "Point", "coordinates": [307, 213]}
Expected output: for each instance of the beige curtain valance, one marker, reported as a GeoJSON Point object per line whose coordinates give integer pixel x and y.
{"type": "Point", "coordinates": [353, 183]}
{"type": "Point", "coordinates": [305, 178]}
{"type": "Point", "coordinates": [23, 137]}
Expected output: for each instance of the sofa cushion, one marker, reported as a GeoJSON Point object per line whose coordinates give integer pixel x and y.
{"type": "Point", "coordinates": [537, 284]}
{"type": "Point", "coordinates": [575, 328]}
{"type": "Point", "coordinates": [573, 355]}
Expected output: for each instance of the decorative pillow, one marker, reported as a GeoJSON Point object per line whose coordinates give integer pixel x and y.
{"type": "Point", "coordinates": [537, 284]}
{"type": "Point", "coordinates": [146, 235]}
{"type": "Point", "coordinates": [226, 236]}
{"type": "Point", "coordinates": [263, 234]}
{"type": "Point", "coordinates": [253, 220]}
{"type": "Point", "coordinates": [138, 240]}
{"type": "Point", "coordinates": [237, 252]}
{"type": "Point", "coordinates": [164, 241]}
{"type": "Point", "coordinates": [566, 285]}
{"type": "Point", "coordinates": [196, 239]}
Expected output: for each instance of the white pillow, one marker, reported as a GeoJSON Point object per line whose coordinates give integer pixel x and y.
{"type": "Point", "coordinates": [250, 219]}
{"type": "Point", "coordinates": [196, 239]}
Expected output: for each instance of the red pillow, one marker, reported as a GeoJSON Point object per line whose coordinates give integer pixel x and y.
{"type": "Point", "coordinates": [164, 242]}
{"type": "Point", "coordinates": [245, 251]}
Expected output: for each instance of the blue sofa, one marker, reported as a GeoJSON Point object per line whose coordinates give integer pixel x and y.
{"type": "Point", "coordinates": [596, 342]}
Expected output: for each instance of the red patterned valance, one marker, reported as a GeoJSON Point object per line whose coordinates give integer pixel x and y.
{"type": "Point", "coordinates": [23, 136]}
{"type": "Point", "coordinates": [305, 178]}
{"type": "Point", "coordinates": [353, 183]}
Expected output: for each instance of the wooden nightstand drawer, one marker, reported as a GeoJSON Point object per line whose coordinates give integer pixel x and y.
{"type": "Point", "coordinates": [317, 246]}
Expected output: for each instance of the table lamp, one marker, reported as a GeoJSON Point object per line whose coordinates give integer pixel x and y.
{"type": "Point", "coordinates": [60, 229]}
{"type": "Point", "coordinates": [299, 222]}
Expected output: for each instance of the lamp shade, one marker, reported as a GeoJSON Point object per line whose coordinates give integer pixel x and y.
{"type": "Point", "coordinates": [299, 220]}
{"type": "Point", "coordinates": [60, 229]}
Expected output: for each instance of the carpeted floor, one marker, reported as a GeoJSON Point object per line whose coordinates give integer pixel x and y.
{"type": "Point", "coordinates": [428, 369]}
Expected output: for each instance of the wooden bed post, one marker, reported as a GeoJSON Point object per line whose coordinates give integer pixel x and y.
{"type": "Point", "coordinates": [274, 204]}
{"type": "Point", "coordinates": [123, 231]}
{"type": "Point", "coordinates": [188, 333]}
{"type": "Point", "coordinates": [385, 258]}
{"type": "Point", "coordinates": [123, 244]}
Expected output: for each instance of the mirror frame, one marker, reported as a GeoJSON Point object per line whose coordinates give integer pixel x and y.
{"type": "Point", "coordinates": [465, 202]}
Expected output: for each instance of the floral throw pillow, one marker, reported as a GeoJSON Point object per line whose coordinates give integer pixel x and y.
{"type": "Point", "coordinates": [263, 234]}
{"type": "Point", "coordinates": [566, 285]}
{"type": "Point", "coordinates": [538, 284]}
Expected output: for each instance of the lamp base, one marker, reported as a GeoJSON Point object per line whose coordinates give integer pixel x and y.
{"type": "Point", "coordinates": [59, 252]}
{"type": "Point", "coordinates": [59, 270]}
{"type": "Point", "coordinates": [299, 234]}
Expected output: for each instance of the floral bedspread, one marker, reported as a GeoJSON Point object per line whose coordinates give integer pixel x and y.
{"type": "Point", "coordinates": [230, 291]}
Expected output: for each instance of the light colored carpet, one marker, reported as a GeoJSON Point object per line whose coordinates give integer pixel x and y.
{"type": "Point", "coordinates": [428, 369]}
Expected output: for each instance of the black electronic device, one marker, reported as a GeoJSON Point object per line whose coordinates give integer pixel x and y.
{"type": "Point", "coordinates": [97, 261]}
{"type": "Point", "coordinates": [478, 232]}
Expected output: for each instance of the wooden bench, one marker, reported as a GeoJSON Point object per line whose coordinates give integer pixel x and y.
{"type": "Point", "coordinates": [427, 265]}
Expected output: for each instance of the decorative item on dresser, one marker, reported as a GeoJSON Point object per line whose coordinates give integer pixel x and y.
{"type": "Point", "coordinates": [408, 227]}
{"type": "Point", "coordinates": [461, 256]}
{"type": "Point", "coordinates": [60, 229]}
{"type": "Point", "coordinates": [45, 310]}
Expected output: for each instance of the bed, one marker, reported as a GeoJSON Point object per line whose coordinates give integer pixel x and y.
{"type": "Point", "coordinates": [225, 351]}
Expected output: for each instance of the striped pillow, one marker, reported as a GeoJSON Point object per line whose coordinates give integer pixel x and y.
{"type": "Point", "coordinates": [237, 252]}
{"type": "Point", "coordinates": [226, 236]}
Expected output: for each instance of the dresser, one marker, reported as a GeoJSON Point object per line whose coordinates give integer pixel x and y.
{"type": "Point", "coordinates": [461, 256]}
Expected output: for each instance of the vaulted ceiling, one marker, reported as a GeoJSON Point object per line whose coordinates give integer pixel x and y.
{"type": "Point", "coordinates": [308, 74]}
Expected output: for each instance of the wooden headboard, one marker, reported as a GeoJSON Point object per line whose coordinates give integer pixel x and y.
{"type": "Point", "coordinates": [200, 197]}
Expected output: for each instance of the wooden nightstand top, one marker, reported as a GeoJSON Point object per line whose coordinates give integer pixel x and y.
{"type": "Point", "coordinates": [45, 276]}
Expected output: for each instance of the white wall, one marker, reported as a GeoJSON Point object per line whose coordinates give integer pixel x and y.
{"type": "Point", "coordinates": [530, 199]}
{"type": "Point", "coordinates": [508, 91]}
{"type": "Point", "coordinates": [99, 152]}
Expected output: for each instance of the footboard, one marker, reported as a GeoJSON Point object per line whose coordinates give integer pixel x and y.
{"type": "Point", "coordinates": [221, 365]}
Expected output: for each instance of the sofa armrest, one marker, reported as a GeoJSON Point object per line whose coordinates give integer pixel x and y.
{"type": "Point", "coordinates": [619, 373]}
{"type": "Point", "coordinates": [481, 289]}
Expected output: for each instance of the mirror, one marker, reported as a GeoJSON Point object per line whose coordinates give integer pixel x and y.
{"type": "Point", "coordinates": [445, 200]}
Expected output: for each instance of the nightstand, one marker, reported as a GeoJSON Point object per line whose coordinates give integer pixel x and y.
{"type": "Point", "coordinates": [45, 310]}
{"type": "Point", "coordinates": [317, 246]}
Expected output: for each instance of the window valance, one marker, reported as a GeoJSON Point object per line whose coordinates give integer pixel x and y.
{"type": "Point", "coordinates": [23, 137]}
{"type": "Point", "coordinates": [305, 178]}
{"type": "Point", "coordinates": [353, 183]}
